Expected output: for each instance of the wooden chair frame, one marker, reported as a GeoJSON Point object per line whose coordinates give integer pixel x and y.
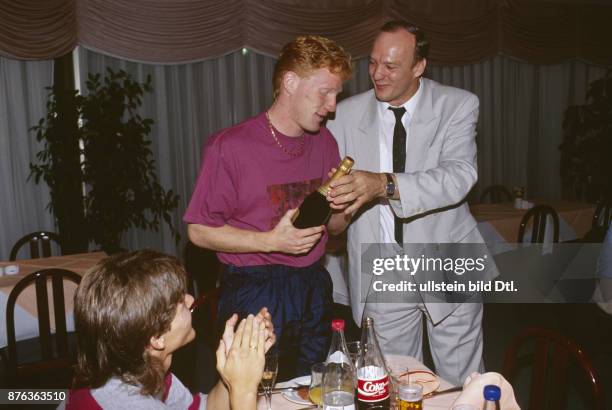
{"type": "Point", "coordinates": [496, 192]}
{"type": "Point", "coordinates": [36, 240]}
{"type": "Point", "coordinates": [561, 350]}
{"type": "Point", "coordinates": [48, 362]}
{"type": "Point", "coordinates": [538, 229]}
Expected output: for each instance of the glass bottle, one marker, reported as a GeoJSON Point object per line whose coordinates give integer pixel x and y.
{"type": "Point", "coordinates": [315, 210]}
{"type": "Point", "coordinates": [373, 384]}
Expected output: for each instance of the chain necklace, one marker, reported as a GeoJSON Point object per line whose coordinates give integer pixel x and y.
{"type": "Point", "coordinates": [294, 154]}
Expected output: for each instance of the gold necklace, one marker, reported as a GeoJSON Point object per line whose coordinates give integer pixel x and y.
{"type": "Point", "coordinates": [292, 154]}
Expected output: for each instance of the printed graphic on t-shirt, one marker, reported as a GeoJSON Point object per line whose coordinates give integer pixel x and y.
{"type": "Point", "coordinates": [283, 197]}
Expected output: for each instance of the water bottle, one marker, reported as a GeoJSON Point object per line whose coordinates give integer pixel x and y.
{"type": "Point", "coordinates": [338, 351]}
{"type": "Point", "coordinates": [339, 375]}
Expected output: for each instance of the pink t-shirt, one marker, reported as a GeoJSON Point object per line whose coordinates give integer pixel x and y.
{"type": "Point", "coordinates": [248, 182]}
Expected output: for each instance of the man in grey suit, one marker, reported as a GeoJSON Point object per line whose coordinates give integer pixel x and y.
{"type": "Point", "coordinates": [413, 141]}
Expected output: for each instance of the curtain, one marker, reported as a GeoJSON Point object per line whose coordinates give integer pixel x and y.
{"type": "Point", "coordinates": [22, 105]}
{"type": "Point", "coordinates": [519, 130]}
{"type": "Point", "coordinates": [160, 32]}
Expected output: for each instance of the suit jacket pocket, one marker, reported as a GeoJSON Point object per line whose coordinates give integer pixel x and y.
{"type": "Point", "coordinates": [461, 231]}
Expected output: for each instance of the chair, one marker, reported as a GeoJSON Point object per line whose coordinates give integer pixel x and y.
{"type": "Point", "coordinates": [540, 215]}
{"type": "Point", "coordinates": [552, 356]}
{"type": "Point", "coordinates": [498, 193]}
{"type": "Point", "coordinates": [39, 241]}
{"type": "Point", "coordinates": [602, 216]}
{"type": "Point", "coordinates": [51, 359]}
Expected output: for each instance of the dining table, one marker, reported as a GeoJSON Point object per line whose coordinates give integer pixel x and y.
{"type": "Point", "coordinates": [499, 223]}
{"type": "Point", "coordinates": [442, 401]}
{"type": "Point", "coordinates": [26, 322]}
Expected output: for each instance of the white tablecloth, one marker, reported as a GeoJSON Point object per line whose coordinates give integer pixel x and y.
{"type": "Point", "coordinates": [26, 322]}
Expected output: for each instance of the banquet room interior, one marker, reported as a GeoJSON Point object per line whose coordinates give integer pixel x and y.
{"type": "Point", "coordinates": [178, 72]}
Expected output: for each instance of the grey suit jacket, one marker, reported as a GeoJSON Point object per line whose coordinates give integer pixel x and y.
{"type": "Point", "coordinates": [440, 171]}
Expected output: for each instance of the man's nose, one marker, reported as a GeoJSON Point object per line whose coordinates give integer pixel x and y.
{"type": "Point", "coordinates": [378, 73]}
{"type": "Point", "coordinates": [331, 104]}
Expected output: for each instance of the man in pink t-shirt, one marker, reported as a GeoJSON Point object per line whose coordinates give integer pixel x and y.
{"type": "Point", "coordinates": [253, 177]}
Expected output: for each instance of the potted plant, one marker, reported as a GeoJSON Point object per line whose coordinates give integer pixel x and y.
{"type": "Point", "coordinates": [117, 166]}
{"type": "Point", "coordinates": [586, 169]}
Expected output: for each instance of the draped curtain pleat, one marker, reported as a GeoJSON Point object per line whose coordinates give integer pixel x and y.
{"type": "Point", "coordinates": [171, 32]}
{"type": "Point", "coordinates": [22, 103]}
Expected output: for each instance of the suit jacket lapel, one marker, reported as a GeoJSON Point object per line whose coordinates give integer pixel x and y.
{"type": "Point", "coordinates": [422, 129]}
{"type": "Point", "coordinates": [367, 144]}
{"type": "Point", "coordinates": [368, 137]}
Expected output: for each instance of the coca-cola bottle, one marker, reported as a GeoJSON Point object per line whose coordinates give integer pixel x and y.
{"type": "Point", "coordinates": [373, 384]}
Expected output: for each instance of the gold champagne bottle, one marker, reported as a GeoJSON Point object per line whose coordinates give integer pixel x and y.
{"type": "Point", "coordinates": [315, 209]}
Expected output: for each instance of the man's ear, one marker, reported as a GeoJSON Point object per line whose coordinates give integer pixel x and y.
{"type": "Point", "coordinates": [157, 343]}
{"type": "Point", "coordinates": [290, 82]}
{"type": "Point", "coordinates": [419, 68]}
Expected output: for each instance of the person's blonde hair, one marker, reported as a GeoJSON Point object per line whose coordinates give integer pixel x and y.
{"type": "Point", "coordinates": [308, 53]}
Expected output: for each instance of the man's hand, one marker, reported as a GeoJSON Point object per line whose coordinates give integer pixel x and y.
{"type": "Point", "coordinates": [286, 238]}
{"type": "Point", "coordinates": [350, 192]}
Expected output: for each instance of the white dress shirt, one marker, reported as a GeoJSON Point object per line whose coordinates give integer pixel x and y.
{"type": "Point", "coordinates": [385, 140]}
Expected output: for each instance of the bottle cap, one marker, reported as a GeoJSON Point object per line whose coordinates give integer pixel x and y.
{"type": "Point", "coordinates": [337, 324]}
{"type": "Point", "coordinates": [411, 392]}
{"type": "Point", "coordinates": [346, 164]}
{"type": "Point", "coordinates": [492, 392]}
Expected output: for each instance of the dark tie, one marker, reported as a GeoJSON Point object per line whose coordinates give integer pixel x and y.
{"type": "Point", "coordinates": [399, 160]}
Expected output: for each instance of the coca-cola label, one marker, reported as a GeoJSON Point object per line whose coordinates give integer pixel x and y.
{"type": "Point", "coordinates": [373, 390]}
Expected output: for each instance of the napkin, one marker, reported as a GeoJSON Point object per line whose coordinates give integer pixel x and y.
{"type": "Point", "coordinates": [474, 386]}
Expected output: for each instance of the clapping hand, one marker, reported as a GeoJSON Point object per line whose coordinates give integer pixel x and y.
{"type": "Point", "coordinates": [263, 315]}
{"type": "Point", "coordinates": [241, 364]}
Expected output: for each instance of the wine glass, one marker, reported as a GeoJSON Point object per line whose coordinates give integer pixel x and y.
{"type": "Point", "coordinates": [269, 376]}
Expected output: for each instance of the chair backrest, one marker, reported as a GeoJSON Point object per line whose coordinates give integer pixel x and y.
{"type": "Point", "coordinates": [552, 357]}
{"type": "Point", "coordinates": [602, 216]}
{"type": "Point", "coordinates": [497, 194]}
{"type": "Point", "coordinates": [540, 215]}
{"type": "Point", "coordinates": [40, 244]}
{"type": "Point", "coordinates": [50, 359]}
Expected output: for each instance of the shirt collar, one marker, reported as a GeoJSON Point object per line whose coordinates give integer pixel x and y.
{"type": "Point", "coordinates": [409, 105]}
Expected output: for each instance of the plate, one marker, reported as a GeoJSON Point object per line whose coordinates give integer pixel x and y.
{"type": "Point", "coordinates": [428, 380]}
{"type": "Point", "coordinates": [293, 396]}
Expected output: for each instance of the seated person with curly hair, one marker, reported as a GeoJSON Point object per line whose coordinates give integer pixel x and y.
{"type": "Point", "coordinates": [131, 314]}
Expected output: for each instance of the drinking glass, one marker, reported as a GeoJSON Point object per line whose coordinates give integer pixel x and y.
{"type": "Point", "coordinates": [315, 391]}
{"type": "Point", "coordinates": [269, 376]}
{"type": "Point", "coordinates": [354, 350]}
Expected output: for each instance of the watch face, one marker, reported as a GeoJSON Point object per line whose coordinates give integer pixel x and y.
{"type": "Point", "coordinates": [390, 189]}
{"type": "Point", "coordinates": [390, 186]}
